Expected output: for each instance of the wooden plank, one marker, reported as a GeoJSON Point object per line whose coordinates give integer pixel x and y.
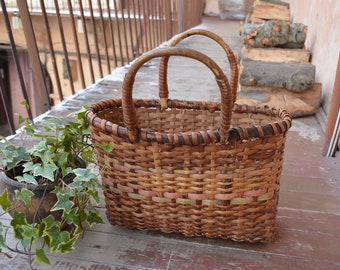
{"type": "Point", "coordinates": [154, 251]}
{"type": "Point", "coordinates": [270, 11]}
{"type": "Point", "coordinates": [304, 201]}
{"type": "Point", "coordinates": [298, 104]}
{"type": "Point", "coordinates": [276, 55]}
{"type": "Point", "coordinates": [292, 76]}
{"type": "Point", "coordinates": [311, 185]}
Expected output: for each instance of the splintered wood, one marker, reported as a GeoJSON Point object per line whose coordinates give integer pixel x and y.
{"type": "Point", "coordinates": [297, 103]}
{"type": "Point", "coordinates": [277, 55]}
{"type": "Point", "coordinates": [263, 11]}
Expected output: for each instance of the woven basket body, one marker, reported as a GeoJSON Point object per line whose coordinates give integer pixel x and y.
{"type": "Point", "coordinates": [180, 172]}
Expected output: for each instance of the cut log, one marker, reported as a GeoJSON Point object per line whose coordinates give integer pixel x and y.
{"type": "Point", "coordinates": [294, 77]}
{"type": "Point", "coordinates": [270, 11]}
{"type": "Point", "coordinates": [298, 104]}
{"type": "Point", "coordinates": [276, 55]}
{"type": "Point", "coordinates": [274, 34]}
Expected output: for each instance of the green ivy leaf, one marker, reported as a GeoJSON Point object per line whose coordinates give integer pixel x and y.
{"type": "Point", "coordinates": [70, 215]}
{"type": "Point", "coordinates": [45, 225]}
{"type": "Point", "coordinates": [62, 159]}
{"type": "Point", "coordinates": [46, 171]}
{"type": "Point", "coordinates": [49, 229]}
{"type": "Point", "coordinates": [82, 216]}
{"type": "Point", "coordinates": [93, 217]}
{"type": "Point", "coordinates": [30, 166]}
{"type": "Point", "coordinates": [65, 243]}
{"type": "Point", "coordinates": [105, 147]}
{"type": "Point", "coordinates": [25, 103]}
{"type": "Point", "coordinates": [27, 178]}
{"type": "Point", "coordinates": [28, 128]}
{"type": "Point", "coordinates": [76, 185]}
{"type": "Point", "coordinates": [80, 114]}
{"type": "Point", "coordinates": [25, 195]}
{"type": "Point", "coordinates": [38, 169]}
{"type": "Point", "coordinates": [67, 142]}
{"type": "Point", "coordinates": [82, 176]}
{"type": "Point", "coordinates": [18, 221]}
{"type": "Point", "coordinates": [63, 203]}
{"type": "Point", "coordinates": [13, 155]}
{"type": "Point", "coordinates": [50, 140]}
{"type": "Point", "coordinates": [40, 256]}
{"type": "Point", "coordinates": [63, 190]}
{"type": "Point", "coordinates": [56, 240]}
{"type": "Point", "coordinates": [21, 119]}
{"type": "Point", "coordinates": [5, 203]}
{"type": "Point", "coordinates": [94, 194]}
{"type": "Point", "coordinates": [30, 232]}
{"type": "Point", "coordinates": [39, 148]}
{"type": "Point", "coordinates": [43, 152]}
{"type": "Point", "coordinates": [47, 157]}
{"type": "Point", "coordinates": [87, 155]}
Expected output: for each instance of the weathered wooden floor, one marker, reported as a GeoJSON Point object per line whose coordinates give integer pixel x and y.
{"type": "Point", "coordinates": [308, 233]}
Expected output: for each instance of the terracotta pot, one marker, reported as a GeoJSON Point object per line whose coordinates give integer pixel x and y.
{"type": "Point", "coordinates": [42, 201]}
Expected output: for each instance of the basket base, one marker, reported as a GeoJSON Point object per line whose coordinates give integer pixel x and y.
{"type": "Point", "coordinates": [255, 223]}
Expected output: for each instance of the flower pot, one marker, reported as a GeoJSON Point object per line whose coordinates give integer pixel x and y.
{"type": "Point", "coordinates": [42, 201]}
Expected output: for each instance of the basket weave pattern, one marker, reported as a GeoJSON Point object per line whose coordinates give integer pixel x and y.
{"type": "Point", "coordinates": [197, 168]}
{"type": "Point", "coordinates": [214, 190]}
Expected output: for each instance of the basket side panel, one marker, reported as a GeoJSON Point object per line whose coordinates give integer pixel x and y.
{"type": "Point", "coordinates": [229, 191]}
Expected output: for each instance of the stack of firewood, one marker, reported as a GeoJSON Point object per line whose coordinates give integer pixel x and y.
{"type": "Point", "coordinates": [275, 67]}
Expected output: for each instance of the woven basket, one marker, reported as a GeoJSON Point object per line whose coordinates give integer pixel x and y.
{"type": "Point", "coordinates": [197, 168]}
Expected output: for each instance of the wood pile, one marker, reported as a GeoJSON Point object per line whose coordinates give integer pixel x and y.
{"type": "Point", "coordinates": [275, 68]}
{"type": "Point", "coordinates": [268, 10]}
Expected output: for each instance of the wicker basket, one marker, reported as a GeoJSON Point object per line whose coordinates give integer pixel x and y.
{"type": "Point", "coordinates": [198, 168]}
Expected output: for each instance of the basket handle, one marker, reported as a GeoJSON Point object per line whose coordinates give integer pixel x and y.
{"type": "Point", "coordinates": [163, 69]}
{"type": "Point", "coordinates": [129, 109]}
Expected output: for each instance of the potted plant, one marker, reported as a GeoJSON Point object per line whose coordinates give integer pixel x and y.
{"type": "Point", "coordinates": [54, 188]}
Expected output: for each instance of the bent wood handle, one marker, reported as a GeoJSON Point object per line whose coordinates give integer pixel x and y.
{"type": "Point", "coordinates": [163, 70]}
{"type": "Point", "coordinates": [129, 109]}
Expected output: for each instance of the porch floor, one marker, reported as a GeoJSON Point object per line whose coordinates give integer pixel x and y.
{"type": "Point", "coordinates": [308, 223]}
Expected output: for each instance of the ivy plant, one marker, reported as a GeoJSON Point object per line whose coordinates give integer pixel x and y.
{"type": "Point", "coordinates": [62, 156]}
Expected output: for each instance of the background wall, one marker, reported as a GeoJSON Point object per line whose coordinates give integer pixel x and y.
{"type": "Point", "coordinates": [323, 39]}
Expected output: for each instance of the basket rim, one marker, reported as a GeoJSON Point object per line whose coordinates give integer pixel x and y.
{"type": "Point", "coordinates": [201, 137]}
